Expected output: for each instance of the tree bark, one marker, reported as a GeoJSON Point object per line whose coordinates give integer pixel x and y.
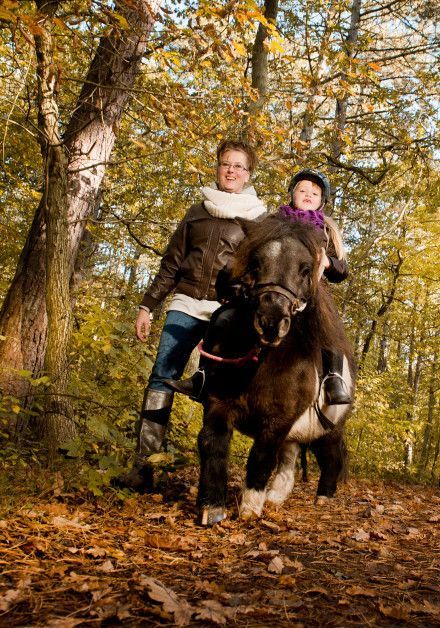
{"type": "Point", "coordinates": [89, 140]}
{"type": "Point", "coordinates": [381, 311]}
{"type": "Point", "coordinates": [308, 120]}
{"type": "Point", "coordinates": [57, 423]}
{"type": "Point", "coordinates": [342, 103]}
{"type": "Point", "coordinates": [260, 78]}
{"type": "Point", "coordinates": [429, 424]}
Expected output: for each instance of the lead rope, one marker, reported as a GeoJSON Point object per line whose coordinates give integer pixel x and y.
{"type": "Point", "coordinates": [251, 356]}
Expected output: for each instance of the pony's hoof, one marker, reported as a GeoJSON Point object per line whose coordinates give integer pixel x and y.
{"type": "Point", "coordinates": [274, 499]}
{"type": "Point", "coordinates": [246, 514]}
{"type": "Point", "coordinates": [212, 514]}
{"type": "Point", "coordinates": [323, 500]}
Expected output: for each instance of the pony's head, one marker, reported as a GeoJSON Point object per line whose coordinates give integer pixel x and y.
{"type": "Point", "coordinates": [277, 265]}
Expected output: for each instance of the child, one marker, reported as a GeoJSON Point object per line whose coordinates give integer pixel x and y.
{"type": "Point", "coordinates": [309, 192]}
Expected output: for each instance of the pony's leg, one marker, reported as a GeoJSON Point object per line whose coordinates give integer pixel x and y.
{"type": "Point", "coordinates": [330, 453]}
{"type": "Point", "coordinates": [284, 479]}
{"type": "Point", "coordinates": [213, 442]}
{"type": "Point", "coordinates": [261, 462]}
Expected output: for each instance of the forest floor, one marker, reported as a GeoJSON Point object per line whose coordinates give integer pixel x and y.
{"type": "Point", "coordinates": [370, 557]}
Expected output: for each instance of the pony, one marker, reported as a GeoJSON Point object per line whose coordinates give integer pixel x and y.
{"type": "Point", "coordinates": [264, 372]}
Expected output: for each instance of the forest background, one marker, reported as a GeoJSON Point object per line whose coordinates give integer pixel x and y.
{"type": "Point", "coordinates": [110, 113]}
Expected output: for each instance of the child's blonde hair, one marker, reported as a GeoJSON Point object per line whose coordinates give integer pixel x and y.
{"type": "Point", "coordinates": [334, 234]}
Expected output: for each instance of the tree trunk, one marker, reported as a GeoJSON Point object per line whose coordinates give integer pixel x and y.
{"type": "Point", "coordinates": [259, 58]}
{"type": "Point", "coordinates": [428, 429]}
{"type": "Point", "coordinates": [381, 311]}
{"type": "Point", "coordinates": [89, 140]}
{"type": "Point", "coordinates": [309, 116]}
{"type": "Point", "coordinates": [342, 103]}
{"type": "Point", "coordinates": [382, 362]}
{"type": "Point", "coordinates": [57, 424]}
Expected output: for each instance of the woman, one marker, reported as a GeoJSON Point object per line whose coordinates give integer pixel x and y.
{"type": "Point", "coordinates": [202, 244]}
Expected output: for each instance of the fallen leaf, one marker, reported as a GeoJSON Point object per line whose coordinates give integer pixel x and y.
{"type": "Point", "coordinates": [63, 622]}
{"type": "Point", "coordinates": [62, 522]}
{"type": "Point", "coordinates": [106, 566]}
{"type": "Point", "coordinates": [296, 564]}
{"type": "Point", "coordinates": [237, 539]}
{"type": "Point", "coordinates": [12, 596]}
{"type": "Point", "coordinates": [287, 580]}
{"type": "Point", "coordinates": [212, 610]}
{"type": "Point", "coordinates": [96, 552]}
{"type": "Point", "coordinates": [318, 591]}
{"type": "Point", "coordinates": [171, 603]}
{"type": "Point", "coordinates": [270, 525]}
{"type": "Point", "coordinates": [276, 565]}
{"type": "Point", "coordinates": [361, 535]}
{"type": "Point", "coordinates": [361, 591]}
{"type": "Point", "coordinates": [396, 612]}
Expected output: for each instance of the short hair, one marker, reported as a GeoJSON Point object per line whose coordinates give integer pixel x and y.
{"type": "Point", "coordinates": [244, 147]}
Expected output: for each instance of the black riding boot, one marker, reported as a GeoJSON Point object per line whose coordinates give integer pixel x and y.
{"type": "Point", "coordinates": [335, 389]}
{"type": "Point", "coordinates": [192, 386]}
{"type": "Point", "coordinates": [155, 412]}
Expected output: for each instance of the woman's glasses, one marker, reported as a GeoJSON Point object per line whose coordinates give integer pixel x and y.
{"type": "Point", "coordinates": [235, 167]}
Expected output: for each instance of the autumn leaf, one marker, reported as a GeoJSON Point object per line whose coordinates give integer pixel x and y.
{"type": "Point", "coordinates": [12, 596]}
{"type": "Point", "coordinates": [106, 567]}
{"type": "Point", "coordinates": [361, 535]}
{"type": "Point", "coordinates": [361, 591]}
{"type": "Point", "coordinates": [396, 612]}
{"type": "Point", "coordinates": [62, 522]}
{"type": "Point", "coordinates": [171, 603]}
{"type": "Point", "coordinates": [276, 565]}
{"type": "Point", "coordinates": [212, 610]}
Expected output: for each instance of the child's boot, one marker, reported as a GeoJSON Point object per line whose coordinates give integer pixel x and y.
{"type": "Point", "coordinates": [335, 388]}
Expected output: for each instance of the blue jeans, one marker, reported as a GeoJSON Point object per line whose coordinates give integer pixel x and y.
{"type": "Point", "coordinates": [180, 335]}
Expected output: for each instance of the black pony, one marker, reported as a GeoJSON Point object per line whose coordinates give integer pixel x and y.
{"type": "Point", "coordinates": [266, 378]}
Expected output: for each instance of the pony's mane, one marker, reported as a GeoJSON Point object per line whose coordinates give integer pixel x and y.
{"type": "Point", "coordinates": [272, 228]}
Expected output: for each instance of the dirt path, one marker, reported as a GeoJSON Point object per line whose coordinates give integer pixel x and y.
{"type": "Point", "coordinates": [369, 558]}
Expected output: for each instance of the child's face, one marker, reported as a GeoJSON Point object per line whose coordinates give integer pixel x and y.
{"type": "Point", "coordinates": [307, 196]}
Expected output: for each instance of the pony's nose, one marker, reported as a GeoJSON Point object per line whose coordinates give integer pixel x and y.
{"type": "Point", "coordinates": [271, 329]}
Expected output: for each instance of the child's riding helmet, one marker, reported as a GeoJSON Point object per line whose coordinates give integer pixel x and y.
{"type": "Point", "coordinates": [309, 174]}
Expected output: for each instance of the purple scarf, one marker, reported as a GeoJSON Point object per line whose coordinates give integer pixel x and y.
{"type": "Point", "coordinates": [315, 217]}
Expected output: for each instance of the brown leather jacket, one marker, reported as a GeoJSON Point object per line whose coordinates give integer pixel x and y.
{"type": "Point", "coordinates": [198, 249]}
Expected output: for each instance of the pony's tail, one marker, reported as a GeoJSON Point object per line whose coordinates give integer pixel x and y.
{"type": "Point", "coordinates": [336, 237]}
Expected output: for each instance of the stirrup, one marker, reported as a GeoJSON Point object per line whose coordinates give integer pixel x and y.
{"type": "Point", "coordinates": [335, 390]}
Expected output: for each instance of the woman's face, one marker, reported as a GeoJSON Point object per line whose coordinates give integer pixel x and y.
{"type": "Point", "coordinates": [307, 196]}
{"type": "Point", "coordinates": [232, 171]}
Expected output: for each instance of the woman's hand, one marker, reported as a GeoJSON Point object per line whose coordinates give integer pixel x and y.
{"type": "Point", "coordinates": [142, 325]}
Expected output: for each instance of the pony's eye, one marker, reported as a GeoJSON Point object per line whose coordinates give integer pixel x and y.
{"type": "Point", "coordinates": [305, 271]}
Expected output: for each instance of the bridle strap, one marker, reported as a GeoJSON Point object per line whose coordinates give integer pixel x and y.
{"type": "Point", "coordinates": [251, 356]}
{"type": "Point", "coordinates": [262, 288]}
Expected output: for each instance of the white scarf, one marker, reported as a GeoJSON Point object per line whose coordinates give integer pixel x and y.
{"type": "Point", "coordinates": [231, 205]}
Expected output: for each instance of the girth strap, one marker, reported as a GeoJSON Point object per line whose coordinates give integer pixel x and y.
{"type": "Point", "coordinates": [325, 421]}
